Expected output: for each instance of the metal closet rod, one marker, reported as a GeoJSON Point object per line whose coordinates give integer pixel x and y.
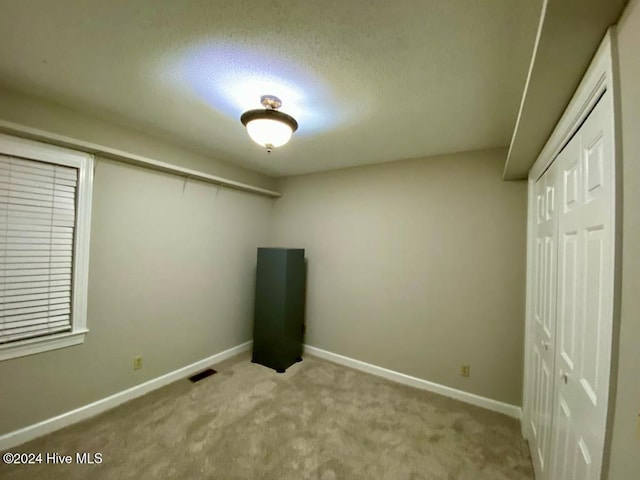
{"type": "Point", "coordinates": [131, 158]}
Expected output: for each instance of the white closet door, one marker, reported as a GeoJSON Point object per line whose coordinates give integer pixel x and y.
{"type": "Point", "coordinates": [585, 298]}
{"type": "Point", "coordinates": [544, 319]}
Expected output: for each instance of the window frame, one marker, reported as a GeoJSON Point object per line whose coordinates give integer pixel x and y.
{"type": "Point", "coordinates": [42, 152]}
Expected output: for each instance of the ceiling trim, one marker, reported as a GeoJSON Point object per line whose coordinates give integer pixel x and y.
{"type": "Point", "coordinates": [598, 79]}
{"type": "Point", "coordinates": [569, 34]}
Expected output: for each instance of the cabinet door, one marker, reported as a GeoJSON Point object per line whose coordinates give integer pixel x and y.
{"type": "Point", "coordinates": [544, 320]}
{"type": "Point", "coordinates": [586, 223]}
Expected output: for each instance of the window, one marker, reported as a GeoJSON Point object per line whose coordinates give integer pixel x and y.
{"type": "Point", "coordinates": [45, 210]}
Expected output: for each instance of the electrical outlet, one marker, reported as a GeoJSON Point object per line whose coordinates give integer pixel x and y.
{"type": "Point", "coordinates": [137, 363]}
{"type": "Point", "coordinates": [465, 370]}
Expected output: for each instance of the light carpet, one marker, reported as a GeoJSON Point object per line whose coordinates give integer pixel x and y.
{"type": "Point", "coordinates": [318, 420]}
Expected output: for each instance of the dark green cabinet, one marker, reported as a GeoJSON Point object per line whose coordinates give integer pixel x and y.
{"type": "Point", "coordinates": [278, 326]}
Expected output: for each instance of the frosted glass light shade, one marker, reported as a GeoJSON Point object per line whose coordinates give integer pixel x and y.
{"type": "Point", "coordinates": [269, 127]}
{"type": "Point", "coordinates": [267, 131]}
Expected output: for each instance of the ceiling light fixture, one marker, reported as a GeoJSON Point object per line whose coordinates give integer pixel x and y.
{"type": "Point", "coordinates": [269, 127]}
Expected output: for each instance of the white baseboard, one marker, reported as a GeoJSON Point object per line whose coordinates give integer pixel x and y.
{"type": "Point", "coordinates": [18, 437]}
{"type": "Point", "coordinates": [488, 403]}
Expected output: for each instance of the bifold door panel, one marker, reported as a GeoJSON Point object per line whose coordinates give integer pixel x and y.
{"type": "Point", "coordinates": [571, 308]}
{"type": "Point", "coordinates": [585, 300]}
{"type": "Point", "coordinates": [544, 317]}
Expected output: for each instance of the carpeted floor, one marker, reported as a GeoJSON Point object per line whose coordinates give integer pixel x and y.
{"type": "Point", "coordinates": [317, 421]}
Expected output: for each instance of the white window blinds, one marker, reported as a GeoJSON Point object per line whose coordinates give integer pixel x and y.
{"type": "Point", "coordinates": [37, 223]}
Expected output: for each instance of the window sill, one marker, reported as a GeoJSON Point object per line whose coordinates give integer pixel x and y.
{"type": "Point", "coordinates": [41, 344]}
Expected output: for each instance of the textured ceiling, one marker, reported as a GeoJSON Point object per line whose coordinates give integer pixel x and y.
{"type": "Point", "coordinates": [368, 81]}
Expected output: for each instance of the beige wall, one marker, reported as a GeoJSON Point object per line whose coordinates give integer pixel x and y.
{"type": "Point", "coordinates": [625, 446]}
{"type": "Point", "coordinates": [417, 266]}
{"type": "Point", "coordinates": [37, 113]}
{"type": "Point", "coordinates": [171, 278]}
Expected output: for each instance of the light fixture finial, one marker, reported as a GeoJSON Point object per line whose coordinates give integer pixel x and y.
{"type": "Point", "coordinates": [270, 101]}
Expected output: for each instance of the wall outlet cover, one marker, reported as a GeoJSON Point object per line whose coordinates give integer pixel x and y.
{"type": "Point", "coordinates": [137, 363]}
